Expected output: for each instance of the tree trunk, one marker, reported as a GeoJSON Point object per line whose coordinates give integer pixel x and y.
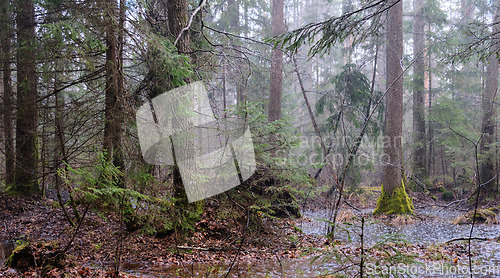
{"type": "Point", "coordinates": [26, 180]}
{"type": "Point", "coordinates": [234, 27]}
{"type": "Point", "coordinates": [177, 20]}
{"type": "Point", "coordinates": [8, 109]}
{"type": "Point", "coordinates": [420, 150]}
{"type": "Point", "coordinates": [430, 128]}
{"type": "Point", "coordinates": [487, 171]}
{"type": "Point", "coordinates": [118, 159]}
{"type": "Point", "coordinates": [277, 26]}
{"type": "Point", "coordinates": [113, 92]}
{"type": "Point", "coordinates": [394, 199]}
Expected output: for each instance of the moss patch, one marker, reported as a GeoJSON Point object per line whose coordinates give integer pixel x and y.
{"type": "Point", "coordinates": [396, 203]}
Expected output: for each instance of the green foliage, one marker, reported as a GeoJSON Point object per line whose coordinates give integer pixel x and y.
{"type": "Point", "coordinates": [358, 25]}
{"type": "Point", "coordinates": [350, 103]}
{"type": "Point", "coordinates": [434, 14]}
{"type": "Point", "coordinates": [166, 68]}
{"type": "Point", "coordinates": [352, 86]}
{"type": "Point", "coordinates": [100, 187]}
{"type": "Point", "coordinates": [458, 129]}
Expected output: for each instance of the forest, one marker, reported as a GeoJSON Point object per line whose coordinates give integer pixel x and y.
{"type": "Point", "coordinates": [249, 138]}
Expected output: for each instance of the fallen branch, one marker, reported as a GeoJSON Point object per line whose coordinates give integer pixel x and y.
{"type": "Point", "coordinates": [347, 203]}
{"type": "Point", "coordinates": [454, 202]}
{"type": "Point", "coordinates": [468, 238]}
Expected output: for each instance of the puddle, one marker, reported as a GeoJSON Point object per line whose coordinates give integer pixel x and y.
{"type": "Point", "coordinates": [299, 267]}
{"type": "Point", "coordinates": [437, 229]}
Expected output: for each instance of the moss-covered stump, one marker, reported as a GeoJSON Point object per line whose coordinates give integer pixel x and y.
{"type": "Point", "coordinates": [483, 216]}
{"type": "Point", "coordinates": [396, 203]}
{"type": "Point", "coordinates": [39, 254]}
{"type": "Point", "coordinates": [22, 258]}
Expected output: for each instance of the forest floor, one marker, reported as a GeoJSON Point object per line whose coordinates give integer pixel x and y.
{"type": "Point", "coordinates": [93, 251]}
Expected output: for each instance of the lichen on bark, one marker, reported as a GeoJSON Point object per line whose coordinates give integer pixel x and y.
{"type": "Point", "coordinates": [396, 203]}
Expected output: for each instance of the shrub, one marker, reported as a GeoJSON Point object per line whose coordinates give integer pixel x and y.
{"type": "Point", "coordinates": [447, 196]}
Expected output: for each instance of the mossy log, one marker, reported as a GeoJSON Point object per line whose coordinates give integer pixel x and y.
{"type": "Point", "coordinates": [39, 254]}
{"type": "Point", "coordinates": [396, 203]}
{"type": "Point", "coordinates": [485, 216]}
{"type": "Point", "coordinates": [22, 258]}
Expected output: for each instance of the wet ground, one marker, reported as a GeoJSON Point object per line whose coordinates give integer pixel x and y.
{"type": "Point", "coordinates": [435, 227]}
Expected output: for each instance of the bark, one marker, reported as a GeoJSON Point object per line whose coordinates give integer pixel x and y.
{"type": "Point", "coordinates": [394, 199]}
{"type": "Point", "coordinates": [8, 109]}
{"type": "Point", "coordinates": [114, 88]}
{"type": "Point", "coordinates": [118, 159]}
{"type": "Point", "coordinates": [26, 180]}
{"type": "Point", "coordinates": [487, 167]}
{"type": "Point", "coordinates": [177, 20]}
{"type": "Point", "coordinates": [394, 113]}
{"type": "Point", "coordinates": [277, 28]}
{"type": "Point", "coordinates": [420, 150]}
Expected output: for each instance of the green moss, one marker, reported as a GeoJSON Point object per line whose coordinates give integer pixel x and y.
{"type": "Point", "coordinates": [396, 203]}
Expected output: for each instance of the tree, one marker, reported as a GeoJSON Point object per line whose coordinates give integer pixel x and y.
{"type": "Point", "coordinates": [114, 88]}
{"type": "Point", "coordinates": [26, 180]}
{"type": "Point", "coordinates": [234, 27]}
{"type": "Point", "coordinates": [178, 20]}
{"type": "Point", "coordinates": [8, 110]}
{"type": "Point", "coordinates": [277, 28]}
{"type": "Point", "coordinates": [420, 150]}
{"type": "Point", "coordinates": [394, 199]}
{"type": "Point", "coordinates": [487, 171]}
